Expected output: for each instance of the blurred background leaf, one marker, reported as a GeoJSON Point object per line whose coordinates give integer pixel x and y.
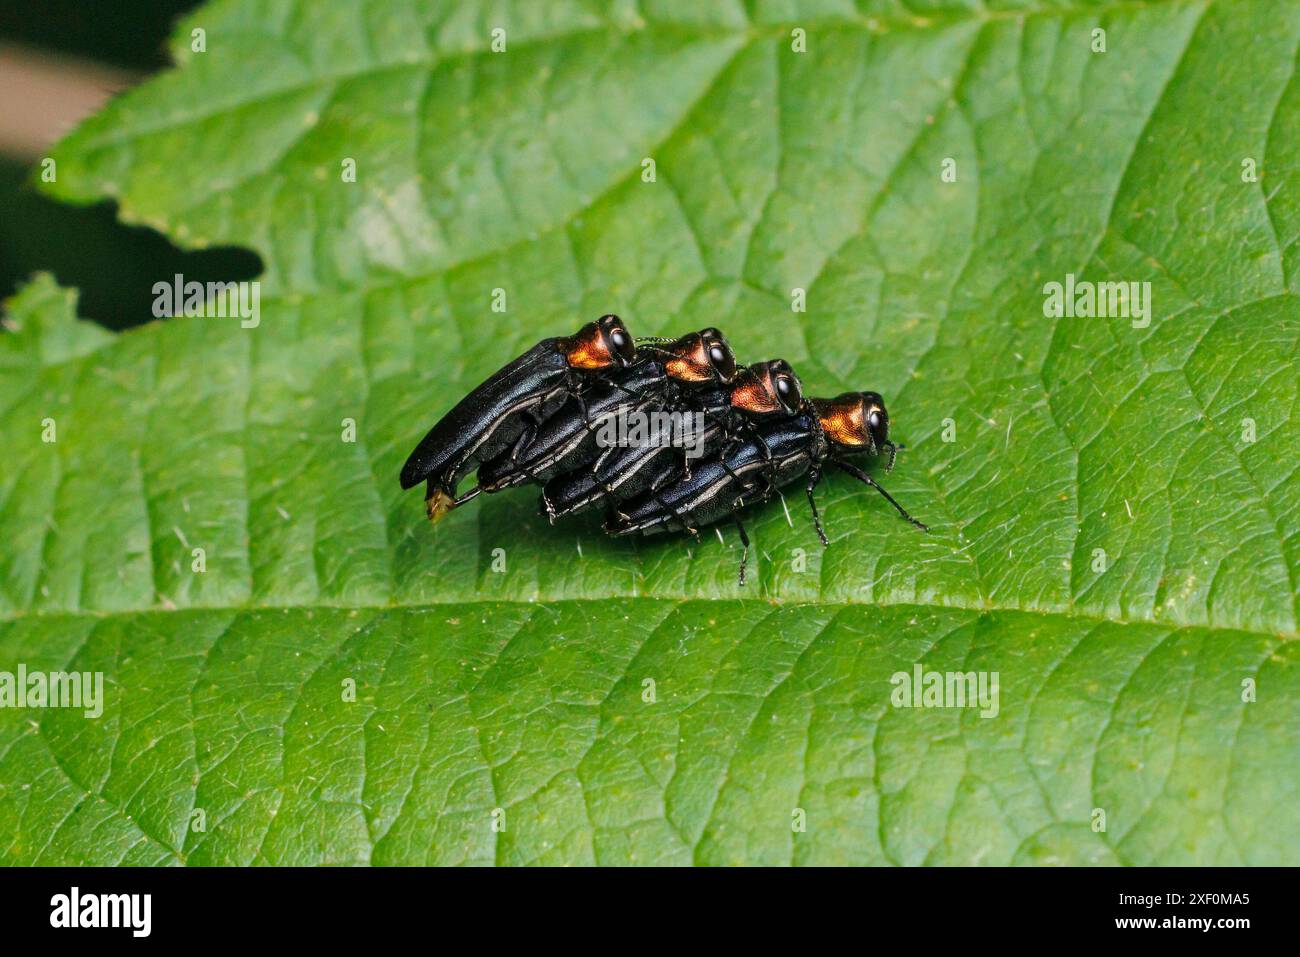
{"type": "Point", "coordinates": [80, 53]}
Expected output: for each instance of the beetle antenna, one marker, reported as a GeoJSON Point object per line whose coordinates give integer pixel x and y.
{"type": "Point", "coordinates": [651, 345]}
{"type": "Point", "coordinates": [862, 476]}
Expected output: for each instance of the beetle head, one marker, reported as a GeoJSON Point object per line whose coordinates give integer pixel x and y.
{"type": "Point", "coordinates": [602, 344]}
{"type": "Point", "coordinates": [702, 356]}
{"type": "Point", "coordinates": [856, 422]}
{"type": "Point", "coordinates": [767, 388]}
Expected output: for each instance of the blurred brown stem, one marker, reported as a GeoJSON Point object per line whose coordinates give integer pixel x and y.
{"type": "Point", "coordinates": [44, 95]}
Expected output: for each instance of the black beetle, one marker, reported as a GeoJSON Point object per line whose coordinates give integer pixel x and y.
{"type": "Point", "coordinates": [758, 393]}
{"type": "Point", "coordinates": [523, 393]}
{"type": "Point", "coordinates": [823, 432]}
{"type": "Point", "coordinates": [568, 439]}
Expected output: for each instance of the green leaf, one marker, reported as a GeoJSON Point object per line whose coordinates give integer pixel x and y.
{"type": "Point", "coordinates": [1110, 538]}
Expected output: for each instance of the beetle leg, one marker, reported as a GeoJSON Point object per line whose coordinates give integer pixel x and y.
{"type": "Point", "coordinates": [595, 467]}
{"type": "Point", "coordinates": [710, 420]}
{"type": "Point", "coordinates": [630, 393]}
{"type": "Point", "coordinates": [521, 443]}
{"type": "Point", "coordinates": [582, 404]}
{"type": "Point", "coordinates": [766, 477]}
{"type": "Point", "coordinates": [686, 466]}
{"type": "Point", "coordinates": [683, 517]}
{"type": "Point", "coordinates": [617, 387]}
{"type": "Point", "coordinates": [767, 457]}
{"type": "Point", "coordinates": [549, 508]}
{"type": "Point", "coordinates": [525, 439]}
{"type": "Point", "coordinates": [862, 476]}
{"type": "Point", "coordinates": [744, 545]}
{"type": "Point", "coordinates": [893, 454]}
{"type": "Point", "coordinates": [531, 476]}
{"type": "Point", "coordinates": [814, 477]}
{"type": "Point", "coordinates": [734, 477]}
{"type": "Point", "coordinates": [769, 463]}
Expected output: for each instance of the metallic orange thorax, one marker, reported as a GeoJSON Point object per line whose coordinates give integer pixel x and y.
{"type": "Point", "coordinates": [688, 359]}
{"type": "Point", "coordinates": [843, 419]}
{"type": "Point", "coordinates": [755, 392]}
{"type": "Point", "coordinates": [588, 348]}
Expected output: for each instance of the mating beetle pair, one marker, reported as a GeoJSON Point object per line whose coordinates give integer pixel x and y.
{"type": "Point", "coordinates": [540, 419]}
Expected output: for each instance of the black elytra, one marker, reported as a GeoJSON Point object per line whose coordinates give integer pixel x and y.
{"type": "Point", "coordinates": [568, 439]}
{"type": "Point", "coordinates": [758, 393]}
{"type": "Point", "coordinates": [524, 392]}
{"type": "Point", "coordinates": [537, 419]}
{"type": "Point", "coordinates": [824, 432]}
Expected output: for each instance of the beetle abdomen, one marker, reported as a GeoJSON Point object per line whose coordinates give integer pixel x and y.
{"type": "Point", "coordinates": [568, 439]}
{"type": "Point", "coordinates": [780, 453]}
{"type": "Point", "coordinates": [489, 419]}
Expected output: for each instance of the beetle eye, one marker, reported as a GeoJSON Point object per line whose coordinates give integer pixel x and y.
{"type": "Point", "coordinates": [621, 341]}
{"type": "Point", "coordinates": [783, 386]}
{"type": "Point", "coordinates": [874, 419]}
{"type": "Point", "coordinates": [723, 362]}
